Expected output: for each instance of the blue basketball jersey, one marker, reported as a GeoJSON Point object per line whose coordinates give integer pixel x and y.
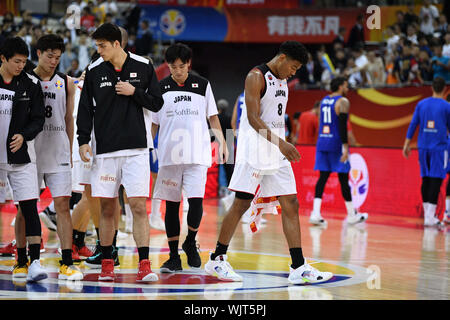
{"type": "Point", "coordinates": [329, 138]}
{"type": "Point", "coordinates": [432, 115]}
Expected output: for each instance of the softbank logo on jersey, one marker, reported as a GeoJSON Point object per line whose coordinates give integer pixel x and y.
{"type": "Point", "coordinates": [51, 127]}
{"type": "Point", "coordinates": [358, 179]}
{"type": "Point", "coordinates": [6, 112]}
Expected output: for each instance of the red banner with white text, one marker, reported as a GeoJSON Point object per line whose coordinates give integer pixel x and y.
{"type": "Point", "coordinates": [278, 25]}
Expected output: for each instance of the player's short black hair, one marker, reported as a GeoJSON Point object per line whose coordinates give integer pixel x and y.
{"type": "Point", "coordinates": [438, 84]}
{"type": "Point", "coordinates": [336, 83]}
{"type": "Point", "coordinates": [109, 32]}
{"type": "Point", "coordinates": [294, 50]}
{"type": "Point", "coordinates": [50, 41]}
{"type": "Point", "coordinates": [13, 46]}
{"type": "Point", "coordinates": [178, 51]}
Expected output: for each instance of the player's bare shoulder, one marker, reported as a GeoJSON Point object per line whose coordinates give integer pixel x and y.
{"type": "Point", "coordinates": [343, 105]}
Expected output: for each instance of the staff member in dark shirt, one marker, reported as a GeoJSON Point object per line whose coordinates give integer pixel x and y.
{"type": "Point", "coordinates": [119, 92]}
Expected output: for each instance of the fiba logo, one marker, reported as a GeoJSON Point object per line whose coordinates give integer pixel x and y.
{"type": "Point", "coordinates": [358, 179]}
{"type": "Point", "coordinates": [172, 22]}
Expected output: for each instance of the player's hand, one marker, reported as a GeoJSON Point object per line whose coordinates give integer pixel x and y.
{"type": "Point", "coordinates": [84, 149]}
{"type": "Point", "coordinates": [16, 143]}
{"type": "Point", "coordinates": [406, 151]}
{"type": "Point", "coordinates": [344, 157]}
{"type": "Point", "coordinates": [125, 88]}
{"type": "Point", "coordinates": [224, 154]}
{"type": "Point", "coordinates": [289, 151]}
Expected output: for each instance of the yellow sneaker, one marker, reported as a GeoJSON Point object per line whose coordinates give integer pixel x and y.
{"type": "Point", "coordinates": [69, 273]}
{"type": "Point", "coordinates": [20, 272]}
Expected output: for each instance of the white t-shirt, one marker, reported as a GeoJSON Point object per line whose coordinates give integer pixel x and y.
{"type": "Point", "coordinates": [183, 129]}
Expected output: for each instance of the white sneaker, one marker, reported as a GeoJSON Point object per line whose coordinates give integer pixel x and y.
{"type": "Point", "coordinates": [432, 222]}
{"type": "Point", "coordinates": [156, 222]}
{"type": "Point", "coordinates": [36, 272]}
{"type": "Point", "coordinates": [220, 268]}
{"type": "Point", "coordinates": [357, 218]}
{"type": "Point", "coordinates": [317, 219]}
{"type": "Point", "coordinates": [307, 274]}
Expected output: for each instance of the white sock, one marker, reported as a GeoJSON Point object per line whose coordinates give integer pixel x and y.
{"type": "Point", "coordinates": [432, 210]}
{"type": "Point", "coordinates": [52, 206]}
{"type": "Point", "coordinates": [350, 208]}
{"type": "Point", "coordinates": [316, 205]}
{"type": "Point", "coordinates": [156, 205]}
{"type": "Point", "coordinates": [447, 204]}
{"type": "Point", "coordinates": [425, 210]}
{"type": "Point", "coordinates": [128, 213]}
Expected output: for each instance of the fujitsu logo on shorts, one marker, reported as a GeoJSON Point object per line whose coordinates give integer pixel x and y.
{"type": "Point", "coordinates": [169, 183]}
{"type": "Point", "coordinates": [255, 175]}
{"type": "Point", "coordinates": [107, 178]}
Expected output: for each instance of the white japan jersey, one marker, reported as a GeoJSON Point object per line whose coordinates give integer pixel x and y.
{"type": "Point", "coordinates": [253, 148]}
{"type": "Point", "coordinates": [6, 102]}
{"type": "Point", "coordinates": [183, 128]}
{"type": "Point", "coordinates": [52, 144]}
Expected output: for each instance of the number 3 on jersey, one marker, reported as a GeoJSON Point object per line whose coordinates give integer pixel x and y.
{"type": "Point", "coordinates": [326, 114]}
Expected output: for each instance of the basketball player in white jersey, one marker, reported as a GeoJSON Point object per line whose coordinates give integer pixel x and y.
{"type": "Point", "coordinates": [263, 158]}
{"type": "Point", "coordinates": [21, 119]}
{"type": "Point", "coordinates": [54, 143]}
{"type": "Point", "coordinates": [184, 150]}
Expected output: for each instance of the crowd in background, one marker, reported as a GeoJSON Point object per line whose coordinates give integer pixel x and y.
{"type": "Point", "coordinates": [416, 49]}
{"type": "Point", "coordinates": [79, 46]}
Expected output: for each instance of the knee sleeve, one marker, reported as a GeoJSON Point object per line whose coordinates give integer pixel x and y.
{"type": "Point", "coordinates": [345, 188]}
{"type": "Point", "coordinates": [74, 199]}
{"type": "Point", "coordinates": [244, 195]}
{"type": "Point", "coordinates": [31, 216]}
{"type": "Point", "coordinates": [434, 189]}
{"type": "Point", "coordinates": [320, 185]}
{"type": "Point", "coordinates": [424, 189]}
{"type": "Point", "coordinates": [172, 219]}
{"type": "Point", "coordinates": [195, 212]}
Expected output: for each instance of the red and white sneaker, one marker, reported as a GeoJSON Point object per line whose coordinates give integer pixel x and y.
{"type": "Point", "coordinates": [145, 272]}
{"type": "Point", "coordinates": [84, 251]}
{"type": "Point", "coordinates": [107, 273]}
{"type": "Point", "coordinates": [75, 254]}
{"type": "Point", "coordinates": [9, 249]}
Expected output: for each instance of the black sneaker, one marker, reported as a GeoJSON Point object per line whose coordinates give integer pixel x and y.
{"type": "Point", "coordinates": [95, 261]}
{"type": "Point", "coordinates": [49, 218]}
{"type": "Point", "coordinates": [193, 258]}
{"type": "Point", "coordinates": [172, 265]}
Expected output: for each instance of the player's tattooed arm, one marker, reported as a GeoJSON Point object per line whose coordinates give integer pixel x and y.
{"type": "Point", "coordinates": [344, 105]}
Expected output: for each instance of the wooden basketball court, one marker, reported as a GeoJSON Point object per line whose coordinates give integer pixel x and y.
{"type": "Point", "coordinates": [385, 258]}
